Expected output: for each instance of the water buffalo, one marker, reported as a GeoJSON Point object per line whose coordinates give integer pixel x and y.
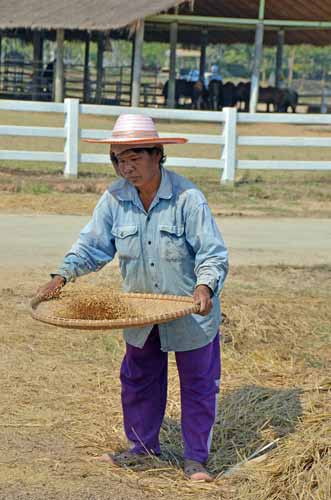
{"type": "Point", "coordinates": [182, 89]}
{"type": "Point", "coordinates": [195, 91]}
{"type": "Point", "coordinates": [287, 99]}
{"type": "Point", "coordinates": [243, 91]}
{"type": "Point", "coordinates": [269, 95]}
{"type": "Point", "coordinates": [200, 96]}
{"type": "Point", "coordinates": [215, 90]}
{"type": "Point", "coordinates": [229, 95]}
{"type": "Point", "coordinates": [280, 99]}
{"type": "Point", "coordinates": [221, 94]}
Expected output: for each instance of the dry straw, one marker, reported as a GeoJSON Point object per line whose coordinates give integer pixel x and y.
{"type": "Point", "coordinates": [98, 308]}
{"type": "Point", "coordinates": [93, 303]}
{"type": "Point", "coordinates": [275, 391]}
{"type": "Point", "coordinates": [301, 467]}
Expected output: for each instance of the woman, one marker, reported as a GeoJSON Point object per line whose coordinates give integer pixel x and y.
{"type": "Point", "coordinates": [167, 241]}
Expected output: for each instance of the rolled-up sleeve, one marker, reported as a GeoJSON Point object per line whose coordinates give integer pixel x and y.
{"type": "Point", "coordinates": [211, 255]}
{"type": "Point", "coordinates": [95, 246]}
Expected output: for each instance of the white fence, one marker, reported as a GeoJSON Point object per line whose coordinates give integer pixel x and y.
{"type": "Point", "coordinates": [228, 137]}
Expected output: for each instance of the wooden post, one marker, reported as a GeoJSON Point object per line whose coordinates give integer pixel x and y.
{"type": "Point", "coordinates": [291, 60]}
{"type": "Point", "coordinates": [324, 104]}
{"type": "Point", "coordinates": [37, 64]}
{"type": "Point", "coordinates": [59, 66]}
{"type": "Point", "coordinates": [279, 57]}
{"type": "Point", "coordinates": [98, 90]}
{"type": "Point", "coordinates": [86, 83]}
{"type": "Point", "coordinates": [137, 63]}
{"type": "Point", "coordinates": [171, 97]}
{"type": "Point", "coordinates": [118, 92]}
{"type": "Point", "coordinates": [132, 64]}
{"type": "Point", "coordinates": [255, 80]}
{"type": "Point", "coordinates": [204, 42]}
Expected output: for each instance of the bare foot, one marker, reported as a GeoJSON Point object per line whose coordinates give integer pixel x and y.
{"type": "Point", "coordinates": [201, 476]}
{"type": "Point", "coordinates": [195, 471]}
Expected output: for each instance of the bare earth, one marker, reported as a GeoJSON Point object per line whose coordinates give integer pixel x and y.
{"type": "Point", "coordinates": [31, 241]}
{"type": "Point", "coordinates": [60, 394]}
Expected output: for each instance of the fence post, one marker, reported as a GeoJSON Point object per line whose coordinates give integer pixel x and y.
{"type": "Point", "coordinates": [71, 109]}
{"type": "Point", "coordinates": [324, 104]}
{"type": "Point", "coordinates": [229, 149]}
{"type": "Point", "coordinates": [118, 92]}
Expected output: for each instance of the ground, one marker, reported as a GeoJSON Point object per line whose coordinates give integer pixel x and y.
{"type": "Point", "coordinates": [60, 403]}
{"type": "Point", "coordinates": [61, 396]}
{"type": "Point", "coordinates": [255, 192]}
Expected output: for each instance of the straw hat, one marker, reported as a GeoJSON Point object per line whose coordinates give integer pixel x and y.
{"type": "Point", "coordinates": [136, 130]}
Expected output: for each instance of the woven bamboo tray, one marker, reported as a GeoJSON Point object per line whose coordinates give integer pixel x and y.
{"type": "Point", "coordinates": [156, 309]}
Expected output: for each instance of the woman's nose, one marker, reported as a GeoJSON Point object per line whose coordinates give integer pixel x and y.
{"type": "Point", "coordinates": [127, 167]}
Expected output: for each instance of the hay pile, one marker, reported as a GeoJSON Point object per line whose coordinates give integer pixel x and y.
{"type": "Point", "coordinates": [93, 303]}
{"type": "Point", "coordinates": [300, 468]}
{"type": "Point", "coordinates": [274, 390]}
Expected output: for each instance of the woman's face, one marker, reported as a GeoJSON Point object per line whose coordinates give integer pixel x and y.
{"type": "Point", "coordinates": [140, 168]}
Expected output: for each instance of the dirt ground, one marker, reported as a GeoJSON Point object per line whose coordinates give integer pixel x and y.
{"type": "Point", "coordinates": [39, 239]}
{"type": "Point", "coordinates": [60, 402]}
{"type": "Point", "coordinates": [60, 393]}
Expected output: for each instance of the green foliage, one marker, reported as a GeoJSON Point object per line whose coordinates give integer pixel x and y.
{"type": "Point", "coordinates": [154, 55]}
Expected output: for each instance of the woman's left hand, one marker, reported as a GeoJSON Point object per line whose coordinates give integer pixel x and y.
{"type": "Point", "coordinates": [202, 295]}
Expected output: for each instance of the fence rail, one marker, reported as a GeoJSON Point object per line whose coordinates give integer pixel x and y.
{"type": "Point", "coordinates": [228, 138]}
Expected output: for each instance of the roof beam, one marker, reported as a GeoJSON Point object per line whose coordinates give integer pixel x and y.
{"type": "Point", "coordinates": [236, 22]}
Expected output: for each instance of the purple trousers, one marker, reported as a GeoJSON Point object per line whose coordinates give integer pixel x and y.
{"type": "Point", "coordinates": [144, 395]}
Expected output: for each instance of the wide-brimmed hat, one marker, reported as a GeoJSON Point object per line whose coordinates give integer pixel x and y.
{"type": "Point", "coordinates": [136, 130]}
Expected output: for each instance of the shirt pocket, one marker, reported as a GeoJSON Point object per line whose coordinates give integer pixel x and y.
{"type": "Point", "coordinates": [127, 241]}
{"type": "Point", "coordinates": [172, 242]}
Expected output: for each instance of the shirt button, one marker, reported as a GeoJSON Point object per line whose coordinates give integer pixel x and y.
{"type": "Point", "coordinates": [149, 242]}
{"type": "Point", "coordinates": [152, 264]}
{"type": "Point", "coordinates": [156, 285]}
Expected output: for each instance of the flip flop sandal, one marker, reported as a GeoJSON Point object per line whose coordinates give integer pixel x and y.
{"type": "Point", "coordinates": [196, 471]}
{"type": "Point", "coordinates": [128, 459]}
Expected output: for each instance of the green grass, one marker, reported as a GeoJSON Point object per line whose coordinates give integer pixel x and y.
{"type": "Point", "coordinates": [36, 188]}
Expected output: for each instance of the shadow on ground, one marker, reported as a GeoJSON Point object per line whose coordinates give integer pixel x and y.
{"type": "Point", "coordinates": [248, 419]}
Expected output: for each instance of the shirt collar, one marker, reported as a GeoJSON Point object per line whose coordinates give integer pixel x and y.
{"type": "Point", "coordinates": [129, 193]}
{"type": "Point", "coordinates": [165, 190]}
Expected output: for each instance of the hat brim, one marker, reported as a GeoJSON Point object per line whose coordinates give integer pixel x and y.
{"type": "Point", "coordinates": [135, 141]}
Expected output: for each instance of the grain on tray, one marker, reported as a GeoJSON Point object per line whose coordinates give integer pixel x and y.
{"type": "Point", "coordinates": [93, 303]}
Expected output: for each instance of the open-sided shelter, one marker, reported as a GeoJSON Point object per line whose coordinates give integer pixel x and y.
{"type": "Point", "coordinates": [191, 22]}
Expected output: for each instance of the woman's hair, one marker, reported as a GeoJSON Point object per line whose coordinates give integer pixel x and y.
{"type": "Point", "coordinates": [150, 151]}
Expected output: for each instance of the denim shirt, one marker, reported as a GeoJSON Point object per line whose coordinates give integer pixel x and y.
{"type": "Point", "coordinates": [169, 249]}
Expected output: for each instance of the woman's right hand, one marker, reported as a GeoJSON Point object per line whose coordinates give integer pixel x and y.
{"type": "Point", "coordinates": [51, 289]}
